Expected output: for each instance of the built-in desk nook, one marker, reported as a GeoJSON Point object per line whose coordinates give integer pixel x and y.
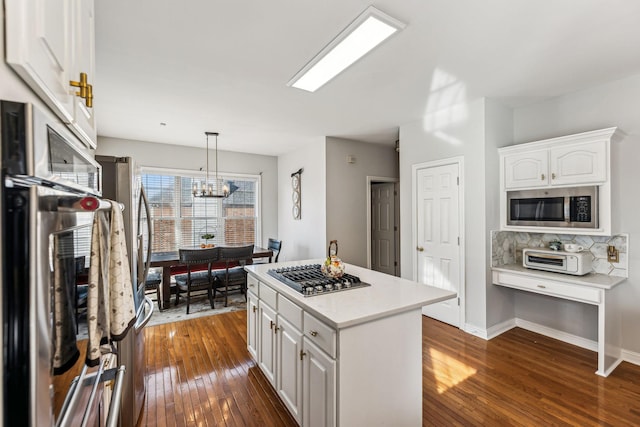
{"type": "Point", "coordinates": [596, 289]}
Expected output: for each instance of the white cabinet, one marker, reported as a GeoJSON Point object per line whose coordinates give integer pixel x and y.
{"type": "Point", "coordinates": [579, 164]}
{"type": "Point", "coordinates": [319, 387]}
{"type": "Point", "coordinates": [289, 357]}
{"type": "Point", "coordinates": [49, 43]}
{"type": "Point", "coordinates": [267, 344]}
{"type": "Point", "coordinates": [582, 159]}
{"type": "Point", "coordinates": [564, 165]}
{"type": "Point", "coordinates": [252, 325]}
{"type": "Point", "coordinates": [529, 169]}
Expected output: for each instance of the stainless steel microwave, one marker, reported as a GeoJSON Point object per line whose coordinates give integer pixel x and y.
{"type": "Point", "coordinates": [571, 207]}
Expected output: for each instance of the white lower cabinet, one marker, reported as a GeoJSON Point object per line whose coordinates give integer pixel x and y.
{"type": "Point", "coordinates": [252, 325]}
{"type": "Point", "coordinates": [289, 356]}
{"type": "Point", "coordinates": [267, 341]}
{"type": "Point", "coordinates": [319, 386]}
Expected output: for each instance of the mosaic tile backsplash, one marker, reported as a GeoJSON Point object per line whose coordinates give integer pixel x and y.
{"type": "Point", "coordinates": [507, 246]}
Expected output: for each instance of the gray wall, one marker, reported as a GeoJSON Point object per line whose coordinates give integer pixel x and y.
{"type": "Point", "coordinates": [347, 192]}
{"type": "Point", "coordinates": [193, 159]}
{"type": "Point", "coordinates": [457, 131]}
{"type": "Point", "coordinates": [304, 238]}
{"type": "Point", "coordinates": [616, 103]}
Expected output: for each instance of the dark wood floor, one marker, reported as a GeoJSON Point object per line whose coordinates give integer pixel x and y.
{"type": "Point", "coordinates": [200, 374]}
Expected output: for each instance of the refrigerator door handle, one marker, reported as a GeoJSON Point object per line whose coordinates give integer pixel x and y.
{"type": "Point", "coordinates": [141, 325]}
{"type": "Point", "coordinates": [147, 263]}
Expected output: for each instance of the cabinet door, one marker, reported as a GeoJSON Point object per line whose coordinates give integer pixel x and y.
{"type": "Point", "coordinates": [83, 61]}
{"type": "Point", "coordinates": [38, 47]}
{"type": "Point", "coordinates": [252, 325]}
{"type": "Point", "coordinates": [267, 347]}
{"type": "Point", "coordinates": [289, 367]}
{"type": "Point", "coordinates": [526, 170]}
{"type": "Point", "coordinates": [318, 387]}
{"type": "Point", "coordinates": [579, 163]}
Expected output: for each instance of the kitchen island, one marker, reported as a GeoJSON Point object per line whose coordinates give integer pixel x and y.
{"type": "Point", "coordinates": [347, 358]}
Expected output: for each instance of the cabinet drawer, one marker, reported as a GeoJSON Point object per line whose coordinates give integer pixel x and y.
{"type": "Point", "coordinates": [268, 295]}
{"type": "Point", "coordinates": [252, 284]}
{"type": "Point", "coordinates": [549, 287]}
{"type": "Point", "coordinates": [320, 334]}
{"type": "Point", "coordinates": [290, 311]}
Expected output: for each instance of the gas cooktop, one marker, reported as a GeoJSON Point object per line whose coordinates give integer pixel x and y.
{"type": "Point", "coordinates": [309, 280]}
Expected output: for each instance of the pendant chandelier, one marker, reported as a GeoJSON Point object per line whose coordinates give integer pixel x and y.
{"type": "Point", "coordinates": [207, 189]}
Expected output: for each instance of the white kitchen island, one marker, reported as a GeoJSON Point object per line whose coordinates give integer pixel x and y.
{"type": "Point", "coordinates": [348, 358]}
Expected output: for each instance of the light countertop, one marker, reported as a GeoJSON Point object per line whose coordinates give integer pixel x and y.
{"type": "Point", "coordinates": [593, 280]}
{"type": "Point", "coordinates": [387, 295]}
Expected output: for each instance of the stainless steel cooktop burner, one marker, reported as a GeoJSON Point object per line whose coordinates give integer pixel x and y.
{"type": "Point", "coordinates": [309, 280]}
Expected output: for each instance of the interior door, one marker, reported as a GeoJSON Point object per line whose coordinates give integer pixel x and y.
{"type": "Point", "coordinates": [383, 242]}
{"type": "Point", "coordinates": [438, 235]}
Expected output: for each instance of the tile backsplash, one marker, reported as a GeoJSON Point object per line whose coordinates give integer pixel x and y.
{"type": "Point", "coordinates": [507, 246]}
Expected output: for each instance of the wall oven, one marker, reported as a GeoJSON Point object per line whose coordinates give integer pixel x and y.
{"type": "Point", "coordinates": [50, 191]}
{"type": "Point", "coordinates": [572, 207]}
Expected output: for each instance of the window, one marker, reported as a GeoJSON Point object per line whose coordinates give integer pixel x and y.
{"type": "Point", "coordinates": [180, 220]}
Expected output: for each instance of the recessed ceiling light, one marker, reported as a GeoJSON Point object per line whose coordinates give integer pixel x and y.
{"type": "Point", "coordinates": [367, 31]}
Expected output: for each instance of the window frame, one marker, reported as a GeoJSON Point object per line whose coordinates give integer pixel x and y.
{"type": "Point", "coordinates": [201, 175]}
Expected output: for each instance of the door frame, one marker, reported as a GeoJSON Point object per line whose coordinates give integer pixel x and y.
{"type": "Point", "coordinates": [374, 180]}
{"type": "Point", "coordinates": [458, 160]}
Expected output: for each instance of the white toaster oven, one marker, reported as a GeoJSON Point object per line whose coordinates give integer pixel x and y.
{"type": "Point", "coordinates": [578, 263]}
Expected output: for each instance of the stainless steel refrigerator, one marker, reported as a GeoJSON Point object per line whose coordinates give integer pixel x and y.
{"type": "Point", "coordinates": [121, 182]}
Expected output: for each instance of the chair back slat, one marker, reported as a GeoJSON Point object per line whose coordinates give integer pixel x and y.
{"type": "Point", "coordinates": [199, 256]}
{"type": "Point", "coordinates": [240, 254]}
{"type": "Point", "coordinates": [275, 246]}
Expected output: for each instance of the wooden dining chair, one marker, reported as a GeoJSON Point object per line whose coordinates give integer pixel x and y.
{"type": "Point", "coordinates": [274, 246]}
{"type": "Point", "coordinates": [233, 274]}
{"type": "Point", "coordinates": [196, 280]}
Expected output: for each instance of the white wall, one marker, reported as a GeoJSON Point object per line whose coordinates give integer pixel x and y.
{"type": "Point", "coordinates": [616, 103]}
{"type": "Point", "coordinates": [192, 158]}
{"type": "Point", "coordinates": [347, 192]}
{"type": "Point", "coordinates": [461, 134]}
{"type": "Point", "coordinates": [304, 238]}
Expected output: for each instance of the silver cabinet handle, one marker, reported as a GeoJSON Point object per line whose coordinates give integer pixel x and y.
{"type": "Point", "coordinates": [313, 333]}
{"type": "Point", "coordinates": [542, 177]}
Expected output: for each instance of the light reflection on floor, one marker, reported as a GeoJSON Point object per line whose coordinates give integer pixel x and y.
{"type": "Point", "coordinates": [448, 371]}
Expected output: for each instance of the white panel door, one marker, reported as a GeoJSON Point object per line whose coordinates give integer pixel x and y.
{"type": "Point", "coordinates": [38, 47]}
{"type": "Point", "coordinates": [383, 242]}
{"type": "Point", "coordinates": [84, 62]}
{"type": "Point", "coordinates": [289, 367]}
{"type": "Point", "coordinates": [267, 348]}
{"type": "Point", "coordinates": [319, 387]}
{"type": "Point", "coordinates": [252, 325]}
{"type": "Point", "coordinates": [438, 249]}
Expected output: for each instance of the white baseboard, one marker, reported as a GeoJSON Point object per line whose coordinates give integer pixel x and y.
{"type": "Point", "coordinates": [500, 328]}
{"type": "Point", "coordinates": [559, 335]}
{"type": "Point", "coordinates": [631, 357]}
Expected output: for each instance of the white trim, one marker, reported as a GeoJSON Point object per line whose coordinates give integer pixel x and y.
{"type": "Point", "coordinates": [371, 180]}
{"type": "Point", "coordinates": [631, 357]}
{"type": "Point", "coordinates": [459, 161]}
{"type": "Point", "coordinates": [557, 334]}
{"type": "Point", "coordinates": [154, 170]}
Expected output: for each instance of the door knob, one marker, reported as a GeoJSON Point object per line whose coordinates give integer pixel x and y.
{"type": "Point", "coordinates": [420, 249]}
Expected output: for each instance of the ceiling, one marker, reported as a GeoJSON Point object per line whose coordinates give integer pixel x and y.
{"type": "Point", "coordinates": [214, 65]}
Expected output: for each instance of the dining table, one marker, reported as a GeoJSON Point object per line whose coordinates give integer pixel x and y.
{"type": "Point", "coordinates": [169, 259]}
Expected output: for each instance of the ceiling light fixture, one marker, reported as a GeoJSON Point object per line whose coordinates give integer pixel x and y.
{"type": "Point", "coordinates": [367, 31]}
{"type": "Point", "coordinates": [207, 189]}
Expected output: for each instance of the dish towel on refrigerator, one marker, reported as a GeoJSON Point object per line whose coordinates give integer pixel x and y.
{"type": "Point", "coordinates": [110, 304]}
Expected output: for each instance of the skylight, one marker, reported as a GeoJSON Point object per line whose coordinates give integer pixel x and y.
{"type": "Point", "coordinates": [367, 31]}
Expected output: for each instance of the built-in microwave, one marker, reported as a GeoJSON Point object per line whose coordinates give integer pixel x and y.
{"type": "Point", "coordinates": [571, 207]}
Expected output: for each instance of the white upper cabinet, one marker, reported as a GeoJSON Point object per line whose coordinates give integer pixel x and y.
{"type": "Point", "coordinates": [50, 44]}
{"type": "Point", "coordinates": [579, 164]}
{"type": "Point", "coordinates": [570, 160]}
{"type": "Point", "coordinates": [529, 169]}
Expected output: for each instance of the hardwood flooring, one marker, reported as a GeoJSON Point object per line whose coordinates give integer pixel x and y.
{"type": "Point", "coordinates": [200, 374]}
